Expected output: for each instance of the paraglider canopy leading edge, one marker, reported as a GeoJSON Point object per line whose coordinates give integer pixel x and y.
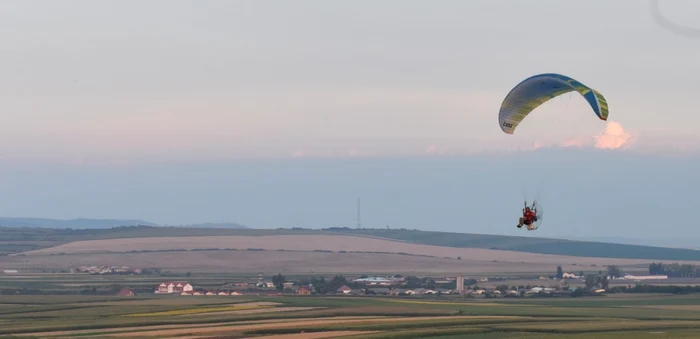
{"type": "Point", "coordinates": [536, 90]}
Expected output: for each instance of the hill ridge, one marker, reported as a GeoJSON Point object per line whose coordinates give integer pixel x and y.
{"type": "Point", "coordinates": [100, 223]}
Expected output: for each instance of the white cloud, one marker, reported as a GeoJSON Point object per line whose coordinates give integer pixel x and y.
{"type": "Point", "coordinates": [614, 137]}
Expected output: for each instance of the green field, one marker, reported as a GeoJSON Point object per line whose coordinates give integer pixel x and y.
{"type": "Point", "coordinates": [15, 240]}
{"type": "Point", "coordinates": [659, 316]}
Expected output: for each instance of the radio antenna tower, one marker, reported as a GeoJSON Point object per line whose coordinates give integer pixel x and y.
{"type": "Point", "coordinates": [359, 224]}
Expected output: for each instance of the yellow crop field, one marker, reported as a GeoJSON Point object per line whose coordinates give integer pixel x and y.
{"type": "Point", "coordinates": [382, 318]}
{"type": "Point", "coordinates": [199, 310]}
{"type": "Point", "coordinates": [423, 302]}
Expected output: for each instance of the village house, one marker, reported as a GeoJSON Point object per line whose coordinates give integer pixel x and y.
{"type": "Point", "coordinates": [344, 289]}
{"type": "Point", "coordinates": [174, 287]}
{"type": "Point", "coordinates": [536, 290]}
{"type": "Point", "coordinates": [304, 291]}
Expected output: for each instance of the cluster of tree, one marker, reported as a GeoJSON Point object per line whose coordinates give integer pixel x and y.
{"type": "Point", "coordinates": [412, 282]}
{"type": "Point", "coordinates": [323, 286]}
{"type": "Point", "coordinates": [615, 272]}
{"type": "Point", "coordinates": [111, 289]}
{"type": "Point", "coordinates": [560, 273]}
{"type": "Point", "coordinates": [505, 288]}
{"type": "Point", "coordinates": [279, 280]}
{"type": "Point", "coordinates": [674, 270]}
{"type": "Point", "coordinates": [32, 291]}
{"type": "Point", "coordinates": [596, 281]}
{"type": "Point", "coordinates": [643, 288]}
{"type": "Point", "coordinates": [320, 284]}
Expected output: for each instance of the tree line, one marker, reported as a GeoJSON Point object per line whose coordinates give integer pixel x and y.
{"type": "Point", "coordinates": [674, 270]}
{"type": "Point", "coordinates": [324, 286]}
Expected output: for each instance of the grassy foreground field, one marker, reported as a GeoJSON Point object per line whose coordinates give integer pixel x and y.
{"type": "Point", "coordinates": [660, 316]}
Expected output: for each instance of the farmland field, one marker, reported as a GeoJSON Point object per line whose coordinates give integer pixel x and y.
{"type": "Point", "coordinates": [301, 254]}
{"type": "Point", "coordinates": [24, 239]}
{"type": "Point", "coordinates": [658, 316]}
{"type": "Point", "coordinates": [305, 262]}
{"type": "Point", "coordinates": [333, 243]}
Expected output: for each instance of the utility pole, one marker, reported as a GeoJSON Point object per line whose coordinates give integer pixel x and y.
{"type": "Point", "coordinates": [359, 223]}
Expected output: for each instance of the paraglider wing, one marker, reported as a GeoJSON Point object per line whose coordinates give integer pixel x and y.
{"type": "Point", "coordinates": [536, 90]}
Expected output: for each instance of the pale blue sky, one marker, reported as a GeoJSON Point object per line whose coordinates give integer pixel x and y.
{"type": "Point", "coordinates": [117, 108]}
{"type": "Point", "coordinates": [275, 78]}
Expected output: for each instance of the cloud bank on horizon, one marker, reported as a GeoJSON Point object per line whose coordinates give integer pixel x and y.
{"type": "Point", "coordinates": [613, 137]}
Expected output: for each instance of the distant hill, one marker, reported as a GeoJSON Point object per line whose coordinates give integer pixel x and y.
{"type": "Point", "coordinates": [89, 224]}
{"type": "Point", "coordinates": [81, 223]}
{"type": "Point", "coordinates": [530, 244]}
{"type": "Point", "coordinates": [215, 225]}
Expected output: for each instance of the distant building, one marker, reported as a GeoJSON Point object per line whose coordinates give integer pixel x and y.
{"type": "Point", "coordinates": [460, 283]}
{"type": "Point", "coordinates": [174, 287]}
{"type": "Point", "coordinates": [535, 290]}
{"type": "Point", "coordinates": [344, 289]}
{"type": "Point", "coordinates": [645, 277]}
{"type": "Point", "coordinates": [375, 281]}
{"type": "Point", "coordinates": [304, 291]}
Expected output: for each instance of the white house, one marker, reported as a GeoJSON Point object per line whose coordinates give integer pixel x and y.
{"type": "Point", "coordinates": [344, 289]}
{"type": "Point", "coordinates": [174, 287]}
{"type": "Point", "coordinates": [541, 289]}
